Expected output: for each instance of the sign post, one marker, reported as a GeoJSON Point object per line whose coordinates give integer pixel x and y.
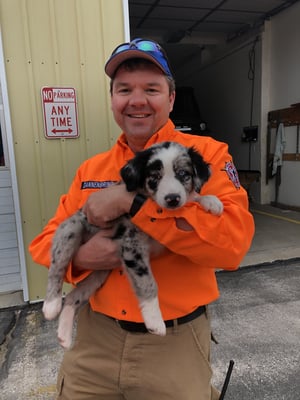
{"type": "Point", "coordinates": [60, 112]}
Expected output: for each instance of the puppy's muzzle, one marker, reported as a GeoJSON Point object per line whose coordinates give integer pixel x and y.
{"type": "Point", "coordinates": [172, 200]}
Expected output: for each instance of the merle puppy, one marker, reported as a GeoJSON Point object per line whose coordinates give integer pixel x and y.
{"type": "Point", "coordinates": [171, 175]}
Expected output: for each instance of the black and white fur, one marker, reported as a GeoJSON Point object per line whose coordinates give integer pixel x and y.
{"type": "Point", "coordinates": [171, 175]}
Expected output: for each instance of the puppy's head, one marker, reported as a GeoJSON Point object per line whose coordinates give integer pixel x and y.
{"type": "Point", "coordinates": [168, 172]}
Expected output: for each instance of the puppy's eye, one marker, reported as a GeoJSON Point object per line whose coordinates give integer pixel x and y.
{"type": "Point", "coordinates": [153, 180]}
{"type": "Point", "coordinates": [155, 176]}
{"type": "Point", "coordinates": [183, 173]}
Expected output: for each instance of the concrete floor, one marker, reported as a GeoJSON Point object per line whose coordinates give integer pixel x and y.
{"type": "Point", "coordinates": [256, 321]}
{"type": "Point", "coordinates": [277, 235]}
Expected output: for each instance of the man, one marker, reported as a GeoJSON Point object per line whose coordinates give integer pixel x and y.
{"type": "Point", "coordinates": [112, 359]}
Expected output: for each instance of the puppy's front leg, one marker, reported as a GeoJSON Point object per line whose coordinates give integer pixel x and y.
{"type": "Point", "coordinates": [66, 241]}
{"type": "Point", "coordinates": [210, 203]}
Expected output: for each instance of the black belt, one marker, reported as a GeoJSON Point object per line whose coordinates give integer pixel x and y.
{"type": "Point", "coordinates": [141, 327]}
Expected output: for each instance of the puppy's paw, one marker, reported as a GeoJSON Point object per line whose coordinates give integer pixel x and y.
{"type": "Point", "coordinates": [158, 328]}
{"type": "Point", "coordinates": [211, 204]}
{"type": "Point", "coordinates": [51, 308]}
{"type": "Point", "coordinates": [65, 327]}
{"type": "Point", "coordinates": [153, 318]}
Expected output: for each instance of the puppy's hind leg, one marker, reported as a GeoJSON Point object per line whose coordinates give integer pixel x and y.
{"type": "Point", "coordinates": [66, 241]}
{"type": "Point", "coordinates": [75, 300]}
{"type": "Point", "coordinates": [135, 255]}
{"type": "Point", "coordinates": [146, 291]}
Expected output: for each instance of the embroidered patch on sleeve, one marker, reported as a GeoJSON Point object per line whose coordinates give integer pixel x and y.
{"type": "Point", "coordinates": [232, 174]}
{"type": "Point", "coordinates": [96, 184]}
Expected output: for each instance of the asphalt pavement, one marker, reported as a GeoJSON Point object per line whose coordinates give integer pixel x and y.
{"type": "Point", "coordinates": [256, 322]}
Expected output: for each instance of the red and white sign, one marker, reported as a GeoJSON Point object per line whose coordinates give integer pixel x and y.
{"type": "Point", "coordinates": [60, 112]}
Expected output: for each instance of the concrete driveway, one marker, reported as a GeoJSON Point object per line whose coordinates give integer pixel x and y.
{"type": "Point", "coordinates": [256, 321]}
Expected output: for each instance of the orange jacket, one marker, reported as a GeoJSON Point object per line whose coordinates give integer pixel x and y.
{"type": "Point", "coordinates": [185, 274]}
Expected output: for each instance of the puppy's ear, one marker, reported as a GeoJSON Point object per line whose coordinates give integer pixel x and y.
{"type": "Point", "coordinates": [130, 176]}
{"type": "Point", "coordinates": [201, 169]}
{"type": "Point", "coordinates": [133, 173]}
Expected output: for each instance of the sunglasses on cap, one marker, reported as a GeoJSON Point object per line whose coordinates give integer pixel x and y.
{"type": "Point", "coordinates": [144, 48]}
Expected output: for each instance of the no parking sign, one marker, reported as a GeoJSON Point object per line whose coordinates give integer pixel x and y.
{"type": "Point", "coordinates": [60, 112]}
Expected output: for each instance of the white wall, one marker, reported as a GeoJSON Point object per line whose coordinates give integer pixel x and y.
{"type": "Point", "coordinates": [285, 90]}
{"type": "Point", "coordinates": [224, 94]}
{"type": "Point", "coordinates": [285, 58]}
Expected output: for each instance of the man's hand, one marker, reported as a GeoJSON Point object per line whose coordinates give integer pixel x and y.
{"type": "Point", "coordinates": [99, 252]}
{"type": "Point", "coordinates": [106, 205]}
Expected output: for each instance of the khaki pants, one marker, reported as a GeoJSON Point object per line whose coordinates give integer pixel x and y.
{"type": "Point", "coordinates": [109, 363]}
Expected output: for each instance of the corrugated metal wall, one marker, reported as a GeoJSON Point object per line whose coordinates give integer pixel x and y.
{"type": "Point", "coordinates": [62, 43]}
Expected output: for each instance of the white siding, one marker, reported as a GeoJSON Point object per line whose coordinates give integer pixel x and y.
{"type": "Point", "coordinates": [10, 275]}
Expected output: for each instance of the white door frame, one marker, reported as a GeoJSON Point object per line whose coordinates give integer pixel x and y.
{"type": "Point", "coordinates": [126, 20]}
{"type": "Point", "coordinates": [12, 167]}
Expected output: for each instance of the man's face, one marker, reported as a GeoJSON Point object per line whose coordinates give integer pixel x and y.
{"type": "Point", "coordinates": [141, 103]}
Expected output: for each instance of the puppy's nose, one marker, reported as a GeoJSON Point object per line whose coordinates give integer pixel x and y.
{"type": "Point", "coordinates": [172, 200]}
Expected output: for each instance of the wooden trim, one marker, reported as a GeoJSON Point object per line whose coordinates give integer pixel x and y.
{"type": "Point", "coordinates": [291, 157]}
{"type": "Point", "coordinates": [288, 157]}
{"type": "Point", "coordinates": [288, 116]}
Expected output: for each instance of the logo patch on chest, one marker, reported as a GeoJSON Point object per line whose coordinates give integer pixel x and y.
{"type": "Point", "coordinates": [232, 174]}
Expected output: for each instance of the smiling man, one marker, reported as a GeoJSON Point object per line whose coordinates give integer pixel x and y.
{"type": "Point", "coordinates": [141, 105]}
{"type": "Point", "coordinates": [114, 357]}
